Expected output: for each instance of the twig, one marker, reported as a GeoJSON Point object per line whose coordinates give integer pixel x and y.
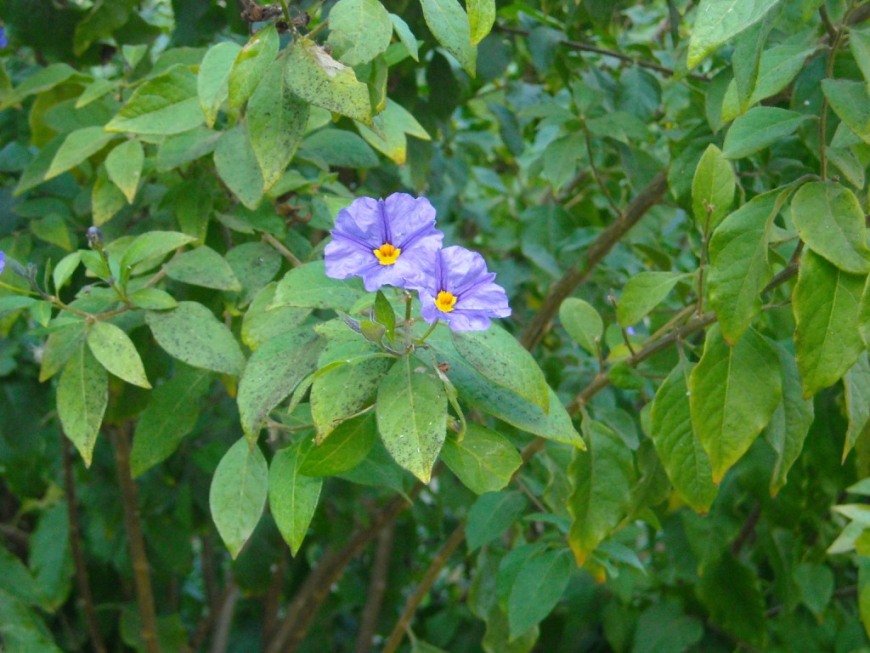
{"type": "Point", "coordinates": [377, 588]}
{"type": "Point", "coordinates": [606, 241]}
{"type": "Point", "coordinates": [587, 137]}
{"type": "Point", "coordinates": [328, 570]}
{"type": "Point", "coordinates": [225, 620]}
{"type": "Point", "coordinates": [205, 624]}
{"type": "Point", "coordinates": [81, 570]}
{"type": "Point", "coordinates": [273, 598]}
{"type": "Point", "coordinates": [747, 530]}
{"type": "Point", "coordinates": [136, 543]}
{"type": "Point", "coordinates": [584, 47]}
{"type": "Point", "coordinates": [279, 246]}
{"type": "Point", "coordinates": [429, 578]}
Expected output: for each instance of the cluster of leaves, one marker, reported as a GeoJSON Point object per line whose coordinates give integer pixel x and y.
{"type": "Point", "coordinates": [684, 438]}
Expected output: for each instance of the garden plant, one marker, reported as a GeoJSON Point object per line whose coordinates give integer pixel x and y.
{"type": "Point", "coordinates": [427, 325]}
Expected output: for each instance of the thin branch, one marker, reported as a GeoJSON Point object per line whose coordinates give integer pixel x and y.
{"type": "Point", "coordinates": [328, 571]}
{"type": "Point", "coordinates": [225, 620]}
{"type": "Point", "coordinates": [75, 540]}
{"type": "Point", "coordinates": [135, 541]}
{"type": "Point", "coordinates": [281, 249]}
{"type": "Point", "coordinates": [606, 241]}
{"type": "Point", "coordinates": [585, 47]}
{"type": "Point", "coordinates": [377, 588]}
{"type": "Point", "coordinates": [205, 625]}
{"type": "Point", "coordinates": [746, 531]}
{"type": "Point", "coordinates": [432, 571]}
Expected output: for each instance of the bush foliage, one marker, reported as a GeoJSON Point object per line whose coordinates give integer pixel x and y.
{"type": "Point", "coordinates": [207, 443]}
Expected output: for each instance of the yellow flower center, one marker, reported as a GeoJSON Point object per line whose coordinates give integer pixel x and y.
{"type": "Point", "coordinates": [445, 301]}
{"type": "Point", "coordinates": [387, 254]}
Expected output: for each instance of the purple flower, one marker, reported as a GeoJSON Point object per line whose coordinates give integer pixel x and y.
{"type": "Point", "coordinates": [3, 40]}
{"type": "Point", "coordinates": [2, 261]}
{"type": "Point", "coordinates": [460, 291]}
{"type": "Point", "coordinates": [386, 242]}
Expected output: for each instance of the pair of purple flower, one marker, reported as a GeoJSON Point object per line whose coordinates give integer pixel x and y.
{"type": "Point", "coordinates": [394, 242]}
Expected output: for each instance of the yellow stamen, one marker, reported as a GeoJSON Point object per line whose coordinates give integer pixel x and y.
{"type": "Point", "coordinates": [445, 301]}
{"type": "Point", "coordinates": [387, 254]}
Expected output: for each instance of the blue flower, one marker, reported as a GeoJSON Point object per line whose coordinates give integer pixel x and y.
{"type": "Point", "coordinates": [3, 40]}
{"type": "Point", "coordinates": [2, 260]}
{"type": "Point", "coordinates": [386, 242]}
{"type": "Point", "coordinates": [460, 291]}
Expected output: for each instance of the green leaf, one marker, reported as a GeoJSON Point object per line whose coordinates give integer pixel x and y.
{"type": "Point", "coordinates": [117, 353]}
{"type": "Point", "coordinates": [359, 30]}
{"type": "Point", "coordinates": [65, 269]}
{"type": "Point", "coordinates": [102, 20]}
{"type": "Point", "coordinates": [730, 592]}
{"type": "Point", "coordinates": [152, 299]}
{"type": "Point", "coordinates": [212, 80]}
{"type": "Point", "coordinates": [345, 448]}
{"type": "Point", "coordinates": [491, 515]}
{"type": "Point", "coordinates": [203, 267]}
{"type": "Point", "coordinates": [293, 496]}
{"type": "Point", "coordinates": [59, 347]}
{"type": "Point", "coordinates": [307, 286]}
{"type": "Point", "coordinates": [82, 396]}
{"type": "Point", "coordinates": [683, 457]}
{"type": "Point", "coordinates": [171, 414]}
{"type": "Point", "coordinates": [77, 147]}
{"type": "Point", "coordinates": [276, 123]}
{"type": "Point", "coordinates": [747, 58]}
{"type": "Point", "coordinates": [481, 18]}
{"type": "Point", "coordinates": [859, 44]}
{"type": "Point", "coordinates": [17, 580]}
{"type": "Point", "coordinates": [758, 128]}
{"type": "Point", "coordinates": [712, 189]}
{"type": "Point", "coordinates": [342, 392]}
{"type": "Point", "coordinates": [790, 423]}
{"type": "Point", "coordinates": [827, 340]}
{"type": "Point", "coordinates": [124, 167]}
{"type": "Point", "coordinates": [312, 74]}
{"type": "Point", "coordinates": [851, 102]}
{"type": "Point", "coordinates": [583, 323]}
{"type": "Point", "coordinates": [734, 392]}
{"type": "Point", "coordinates": [830, 221]}
{"type": "Point", "coordinates": [406, 36]}
{"type": "Point", "coordinates": [717, 21]}
{"type": "Point", "coordinates": [449, 25]}
{"type": "Point", "coordinates": [475, 389]}
{"type": "Point", "coordinates": [251, 64]}
{"type": "Point", "coordinates": [739, 269]}
{"type": "Point", "coordinates": [272, 373]}
{"type": "Point", "coordinates": [106, 199]}
{"type": "Point", "coordinates": [237, 166]}
{"type": "Point", "coordinates": [537, 589]}
{"type": "Point", "coordinates": [602, 479]}
{"type": "Point", "coordinates": [483, 460]}
{"type": "Point", "coordinates": [412, 415]}
{"type": "Point", "coordinates": [389, 130]}
{"type": "Point", "coordinates": [498, 357]}
{"type": "Point", "coordinates": [262, 323]}
{"type": "Point", "coordinates": [192, 334]}
{"type": "Point", "coordinates": [166, 104]}
{"type": "Point", "coordinates": [641, 294]}
{"type": "Point", "coordinates": [666, 628]}
{"type": "Point", "coordinates": [238, 494]}
{"type": "Point", "coordinates": [338, 148]}
{"type": "Point", "coordinates": [856, 384]}
{"type": "Point", "coordinates": [43, 80]}
{"type": "Point", "coordinates": [778, 68]}
{"type": "Point", "coordinates": [816, 583]}
{"type": "Point", "coordinates": [50, 557]}
{"type": "Point", "coordinates": [153, 245]}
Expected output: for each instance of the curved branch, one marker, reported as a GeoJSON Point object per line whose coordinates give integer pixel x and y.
{"type": "Point", "coordinates": [606, 241]}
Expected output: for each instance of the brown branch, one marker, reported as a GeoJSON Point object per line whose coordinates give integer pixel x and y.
{"type": "Point", "coordinates": [395, 639]}
{"type": "Point", "coordinates": [377, 588]}
{"type": "Point", "coordinates": [328, 570]}
{"type": "Point", "coordinates": [135, 541]}
{"type": "Point", "coordinates": [606, 241]}
{"type": "Point", "coordinates": [225, 620]}
{"type": "Point", "coordinates": [75, 540]}
{"type": "Point", "coordinates": [273, 598]}
{"type": "Point", "coordinates": [585, 47]}
{"type": "Point", "coordinates": [205, 625]}
{"type": "Point", "coordinates": [747, 530]}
